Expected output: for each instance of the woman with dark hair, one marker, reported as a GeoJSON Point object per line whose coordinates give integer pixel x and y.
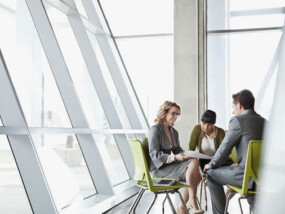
{"type": "Point", "coordinates": [206, 137]}
{"type": "Point", "coordinates": [168, 158]}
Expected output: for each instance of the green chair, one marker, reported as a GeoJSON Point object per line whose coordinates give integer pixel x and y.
{"type": "Point", "coordinates": [251, 170]}
{"type": "Point", "coordinates": [203, 183]}
{"type": "Point", "coordinates": [141, 158]}
{"type": "Point", "coordinates": [233, 155]}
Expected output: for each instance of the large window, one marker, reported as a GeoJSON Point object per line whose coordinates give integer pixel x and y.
{"type": "Point", "coordinates": [13, 198]}
{"type": "Point", "coordinates": [68, 107]}
{"type": "Point", "coordinates": [146, 46]}
{"type": "Point", "coordinates": [242, 42]}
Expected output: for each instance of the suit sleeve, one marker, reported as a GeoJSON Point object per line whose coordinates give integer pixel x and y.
{"type": "Point", "coordinates": [158, 157]}
{"type": "Point", "coordinates": [231, 139]}
{"type": "Point", "coordinates": [193, 139]}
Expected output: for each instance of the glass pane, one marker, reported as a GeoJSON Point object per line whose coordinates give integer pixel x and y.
{"type": "Point", "coordinates": [13, 198]}
{"type": "Point", "coordinates": [76, 65]}
{"type": "Point", "coordinates": [1, 124]}
{"type": "Point", "coordinates": [8, 5]}
{"type": "Point", "coordinates": [65, 168]}
{"type": "Point", "coordinates": [150, 61]}
{"type": "Point", "coordinates": [112, 158]}
{"type": "Point", "coordinates": [110, 83]}
{"type": "Point", "coordinates": [128, 17]}
{"type": "Point", "coordinates": [258, 21]}
{"type": "Point", "coordinates": [29, 70]}
{"type": "Point", "coordinates": [80, 8]}
{"type": "Point", "coordinates": [255, 4]}
{"type": "Point", "coordinates": [238, 61]}
{"type": "Point", "coordinates": [237, 14]}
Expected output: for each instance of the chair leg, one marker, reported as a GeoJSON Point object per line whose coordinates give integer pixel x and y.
{"type": "Point", "coordinates": [170, 203]}
{"type": "Point", "coordinates": [135, 203]}
{"type": "Point", "coordinates": [240, 205]}
{"type": "Point", "coordinates": [205, 187]}
{"type": "Point", "coordinates": [227, 202]}
{"type": "Point", "coordinates": [183, 202]}
{"type": "Point", "coordinates": [163, 204]}
{"type": "Point", "coordinates": [201, 190]}
{"type": "Point", "coordinates": [199, 202]}
{"type": "Point", "coordinates": [155, 196]}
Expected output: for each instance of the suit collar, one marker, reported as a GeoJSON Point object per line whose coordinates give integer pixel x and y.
{"type": "Point", "coordinates": [249, 111]}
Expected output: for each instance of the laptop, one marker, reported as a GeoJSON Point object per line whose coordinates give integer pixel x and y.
{"type": "Point", "coordinates": [167, 182]}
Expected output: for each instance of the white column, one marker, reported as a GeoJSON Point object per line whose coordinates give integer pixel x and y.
{"type": "Point", "coordinates": [188, 83]}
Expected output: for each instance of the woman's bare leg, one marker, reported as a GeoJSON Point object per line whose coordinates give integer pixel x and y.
{"type": "Point", "coordinates": [193, 178]}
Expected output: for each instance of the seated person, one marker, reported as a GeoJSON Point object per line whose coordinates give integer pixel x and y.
{"type": "Point", "coordinates": [207, 138]}
{"type": "Point", "coordinates": [167, 157]}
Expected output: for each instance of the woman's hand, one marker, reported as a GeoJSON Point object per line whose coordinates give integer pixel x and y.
{"type": "Point", "coordinates": [206, 167]}
{"type": "Point", "coordinates": [234, 164]}
{"type": "Point", "coordinates": [181, 157]}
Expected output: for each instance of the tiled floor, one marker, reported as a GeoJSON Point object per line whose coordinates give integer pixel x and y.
{"type": "Point", "coordinates": [157, 208]}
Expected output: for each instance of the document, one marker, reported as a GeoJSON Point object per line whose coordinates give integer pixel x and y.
{"type": "Point", "coordinates": [194, 154]}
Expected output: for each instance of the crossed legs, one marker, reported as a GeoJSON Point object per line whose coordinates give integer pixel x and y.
{"type": "Point", "coordinates": [193, 178]}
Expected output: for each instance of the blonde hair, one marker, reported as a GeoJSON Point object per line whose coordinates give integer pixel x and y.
{"type": "Point", "coordinates": [163, 109]}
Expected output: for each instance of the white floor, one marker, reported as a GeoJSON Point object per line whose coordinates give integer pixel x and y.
{"type": "Point", "coordinates": [157, 208]}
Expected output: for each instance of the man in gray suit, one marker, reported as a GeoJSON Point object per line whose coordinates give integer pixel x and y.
{"type": "Point", "coordinates": [245, 126]}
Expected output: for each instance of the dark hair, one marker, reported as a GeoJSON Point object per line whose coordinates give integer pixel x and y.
{"type": "Point", "coordinates": [246, 99]}
{"type": "Point", "coordinates": [208, 116]}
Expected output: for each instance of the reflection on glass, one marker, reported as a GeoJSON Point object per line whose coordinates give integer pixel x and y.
{"type": "Point", "coordinates": [112, 158]}
{"type": "Point", "coordinates": [13, 198]}
{"type": "Point", "coordinates": [29, 70]}
{"type": "Point", "coordinates": [128, 17]}
{"type": "Point", "coordinates": [244, 60]}
{"type": "Point", "coordinates": [150, 61]}
{"type": "Point", "coordinates": [65, 168]}
{"type": "Point", "coordinates": [80, 76]}
{"type": "Point", "coordinates": [110, 83]}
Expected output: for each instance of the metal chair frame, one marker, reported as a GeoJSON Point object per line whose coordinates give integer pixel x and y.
{"type": "Point", "coordinates": [144, 180]}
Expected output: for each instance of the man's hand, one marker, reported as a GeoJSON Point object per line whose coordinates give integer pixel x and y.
{"type": "Point", "coordinates": [234, 165]}
{"type": "Point", "coordinates": [181, 157]}
{"type": "Point", "coordinates": [206, 167]}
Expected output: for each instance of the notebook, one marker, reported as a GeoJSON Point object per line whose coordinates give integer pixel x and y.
{"type": "Point", "coordinates": [167, 182]}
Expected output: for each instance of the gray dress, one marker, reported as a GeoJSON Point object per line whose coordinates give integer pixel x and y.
{"type": "Point", "coordinates": [159, 150]}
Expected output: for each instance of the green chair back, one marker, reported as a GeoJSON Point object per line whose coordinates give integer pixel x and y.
{"type": "Point", "coordinates": [252, 164]}
{"type": "Point", "coordinates": [144, 142]}
{"type": "Point", "coordinates": [139, 152]}
{"type": "Point", "coordinates": [233, 155]}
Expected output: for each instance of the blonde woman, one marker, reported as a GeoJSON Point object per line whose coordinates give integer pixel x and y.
{"type": "Point", "coordinates": [167, 157]}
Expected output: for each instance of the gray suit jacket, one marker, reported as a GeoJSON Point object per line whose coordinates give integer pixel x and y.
{"type": "Point", "coordinates": [242, 129]}
{"type": "Point", "coordinates": [159, 146]}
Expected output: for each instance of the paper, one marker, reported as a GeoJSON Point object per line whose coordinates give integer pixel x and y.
{"type": "Point", "coordinates": [194, 154]}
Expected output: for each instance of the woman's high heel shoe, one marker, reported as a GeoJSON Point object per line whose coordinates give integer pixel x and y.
{"type": "Point", "coordinates": [189, 206]}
